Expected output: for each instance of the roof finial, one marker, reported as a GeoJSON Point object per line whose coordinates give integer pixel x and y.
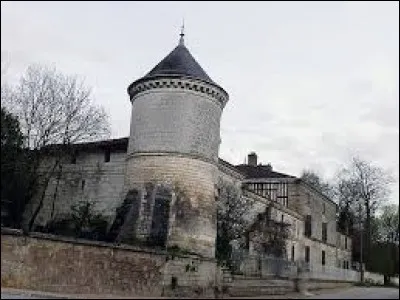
{"type": "Point", "coordinates": [182, 34]}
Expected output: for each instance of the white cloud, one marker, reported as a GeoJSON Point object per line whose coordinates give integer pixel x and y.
{"type": "Point", "coordinates": [310, 83]}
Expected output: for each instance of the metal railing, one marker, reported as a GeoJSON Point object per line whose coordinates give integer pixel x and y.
{"type": "Point", "coordinates": [333, 273]}
{"type": "Point", "coordinates": [263, 266]}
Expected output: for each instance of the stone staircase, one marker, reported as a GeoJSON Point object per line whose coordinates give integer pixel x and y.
{"type": "Point", "coordinates": [244, 286]}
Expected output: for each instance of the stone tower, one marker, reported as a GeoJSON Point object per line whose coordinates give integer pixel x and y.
{"type": "Point", "coordinates": [174, 142]}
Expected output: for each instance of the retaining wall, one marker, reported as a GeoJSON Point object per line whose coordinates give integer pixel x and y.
{"type": "Point", "coordinates": [56, 264]}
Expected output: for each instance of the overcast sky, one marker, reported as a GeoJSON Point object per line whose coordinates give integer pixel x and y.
{"type": "Point", "coordinates": [310, 83]}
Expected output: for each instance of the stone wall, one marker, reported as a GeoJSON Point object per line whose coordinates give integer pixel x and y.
{"type": "Point", "coordinates": [228, 174]}
{"type": "Point", "coordinates": [321, 211]}
{"type": "Point", "coordinates": [174, 141]}
{"type": "Point", "coordinates": [344, 246]}
{"type": "Point", "coordinates": [304, 200]}
{"type": "Point", "coordinates": [313, 285]}
{"type": "Point", "coordinates": [54, 264]}
{"type": "Point", "coordinates": [90, 178]}
{"type": "Point", "coordinates": [375, 277]}
{"type": "Point", "coordinates": [316, 249]}
{"type": "Point", "coordinates": [193, 206]}
{"type": "Point", "coordinates": [176, 120]}
{"type": "Point", "coordinates": [307, 201]}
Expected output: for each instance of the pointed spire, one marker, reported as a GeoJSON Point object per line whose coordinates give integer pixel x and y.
{"type": "Point", "coordinates": [182, 34]}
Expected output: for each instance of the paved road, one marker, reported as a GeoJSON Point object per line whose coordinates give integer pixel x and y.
{"type": "Point", "coordinates": [19, 296]}
{"type": "Point", "coordinates": [360, 293]}
{"type": "Point", "coordinates": [350, 293]}
{"type": "Point", "coordinates": [27, 295]}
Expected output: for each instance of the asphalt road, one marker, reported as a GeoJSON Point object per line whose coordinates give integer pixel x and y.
{"type": "Point", "coordinates": [360, 293]}
{"type": "Point", "coordinates": [19, 296]}
{"type": "Point", "coordinates": [351, 293]}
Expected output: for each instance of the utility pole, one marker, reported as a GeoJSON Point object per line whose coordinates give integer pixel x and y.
{"type": "Point", "coordinates": [361, 243]}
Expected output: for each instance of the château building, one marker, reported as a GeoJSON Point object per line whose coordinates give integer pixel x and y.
{"type": "Point", "coordinates": [169, 174]}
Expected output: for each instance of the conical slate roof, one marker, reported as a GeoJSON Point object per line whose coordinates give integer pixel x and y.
{"type": "Point", "coordinates": [179, 63]}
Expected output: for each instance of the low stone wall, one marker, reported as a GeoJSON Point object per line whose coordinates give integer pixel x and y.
{"type": "Point", "coordinates": [56, 264]}
{"type": "Point", "coordinates": [375, 277]}
{"type": "Point", "coordinates": [313, 285]}
{"type": "Point", "coordinates": [394, 280]}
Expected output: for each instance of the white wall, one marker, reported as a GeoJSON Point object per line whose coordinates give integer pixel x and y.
{"type": "Point", "coordinates": [91, 178]}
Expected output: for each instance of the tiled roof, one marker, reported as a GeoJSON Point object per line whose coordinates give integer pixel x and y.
{"type": "Point", "coordinates": [261, 171]}
{"type": "Point", "coordinates": [116, 144]}
{"type": "Point", "coordinates": [179, 62]}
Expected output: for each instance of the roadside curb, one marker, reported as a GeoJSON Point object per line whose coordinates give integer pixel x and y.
{"type": "Point", "coordinates": [41, 294]}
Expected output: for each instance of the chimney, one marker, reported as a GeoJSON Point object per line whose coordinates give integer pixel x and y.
{"type": "Point", "coordinates": [252, 159]}
{"type": "Point", "coordinates": [269, 167]}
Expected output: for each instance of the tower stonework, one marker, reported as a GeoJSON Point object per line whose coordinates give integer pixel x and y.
{"type": "Point", "coordinates": [174, 142]}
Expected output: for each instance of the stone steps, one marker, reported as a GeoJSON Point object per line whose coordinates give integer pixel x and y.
{"type": "Point", "coordinates": [258, 291]}
{"type": "Point", "coordinates": [262, 283]}
{"type": "Point", "coordinates": [250, 286]}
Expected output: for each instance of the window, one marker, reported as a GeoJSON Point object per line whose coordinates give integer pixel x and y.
{"type": "Point", "coordinates": [73, 158]}
{"type": "Point", "coordinates": [280, 192]}
{"type": "Point", "coordinates": [307, 254]}
{"type": "Point", "coordinates": [83, 184]}
{"type": "Point", "coordinates": [345, 242]}
{"type": "Point", "coordinates": [324, 232]}
{"type": "Point", "coordinates": [307, 226]}
{"type": "Point", "coordinates": [268, 212]}
{"type": "Point", "coordinates": [217, 194]}
{"type": "Point", "coordinates": [323, 208]}
{"type": "Point", "coordinates": [107, 155]}
{"type": "Point", "coordinates": [345, 264]}
{"type": "Point", "coordinates": [293, 253]}
{"type": "Point", "coordinates": [308, 198]}
{"type": "Point", "coordinates": [323, 258]}
{"type": "Point", "coordinates": [282, 219]}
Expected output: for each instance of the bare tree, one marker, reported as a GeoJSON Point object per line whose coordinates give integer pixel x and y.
{"type": "Point", "coordinates": [347, 196]}
{"type": "Point", "coordinates": [342, 192]}
{"type": "Point", "coordinates": [315, 180]}
{"type": "Point", "coordinates": [5, 63]}
{"type": "Point", "coordinates": [55, 111]}
{"type": "Point", "coordinates": [365, 184]}
{"type": "Point", "coordinates": [388, 223]}
{"type": "Point", "coordinates": [5, 89]}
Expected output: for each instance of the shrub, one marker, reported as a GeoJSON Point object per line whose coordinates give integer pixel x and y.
{"type": "Point", "coordinates": [81, 223]}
